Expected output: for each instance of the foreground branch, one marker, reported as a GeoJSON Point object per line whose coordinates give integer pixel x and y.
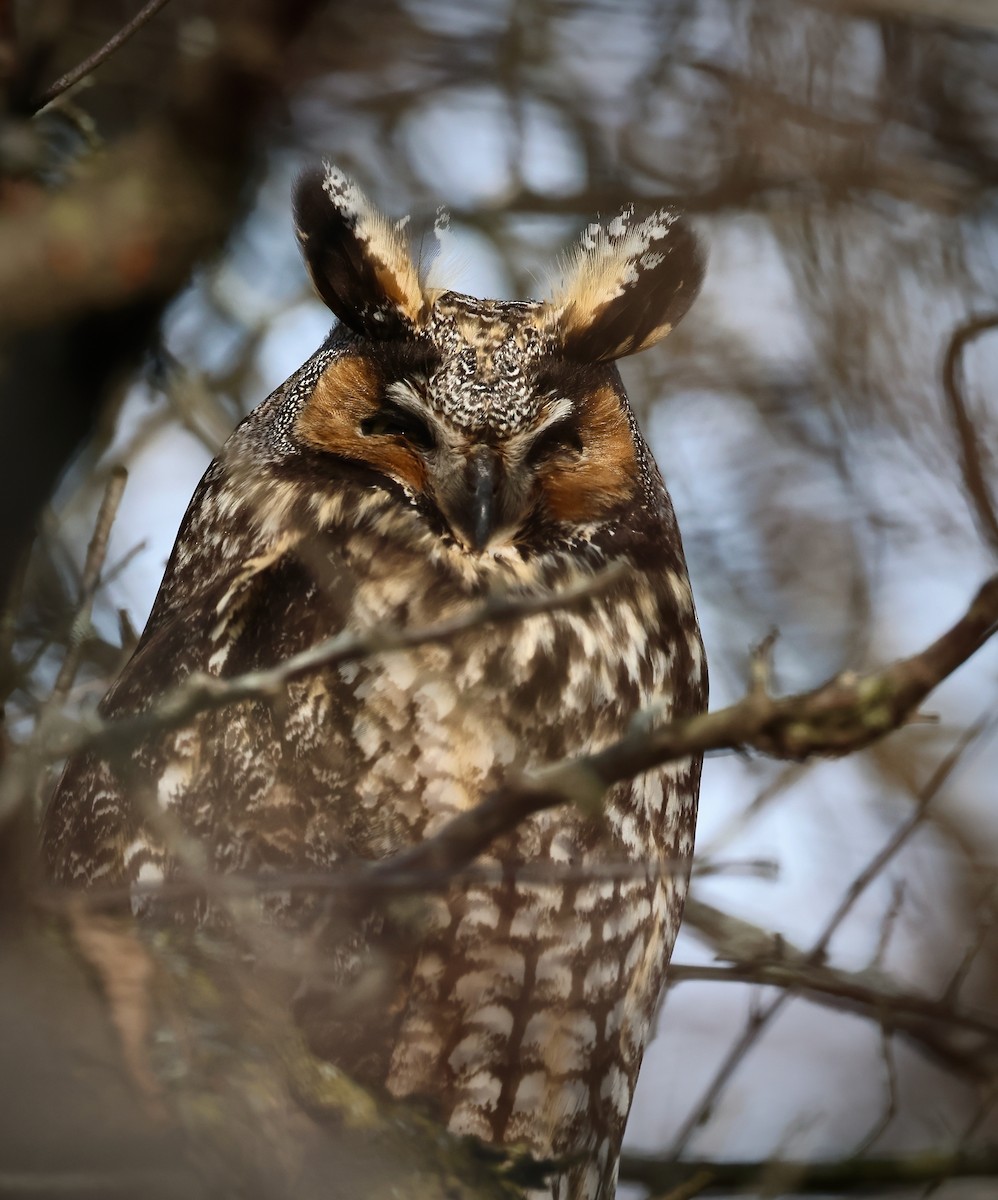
{"type": "Point", "coordinates": [776, 1177]}
{"type": "Point", "coordinates": [167, 1068]}
{"type": "Point", "coordinates": [202, 693]}
{"type": "Point", "coordinates": [843, 715]}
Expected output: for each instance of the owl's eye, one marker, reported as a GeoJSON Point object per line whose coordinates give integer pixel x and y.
{"type": "Point", "coordinates": [561, 438]}
{"type": "Point", "coordinates": [392, 421]}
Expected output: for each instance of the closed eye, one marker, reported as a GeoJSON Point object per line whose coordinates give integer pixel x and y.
{"type": "Point", "coordinates": [561, 438]}
{"type": "Point", "coordinates": [392, 421]}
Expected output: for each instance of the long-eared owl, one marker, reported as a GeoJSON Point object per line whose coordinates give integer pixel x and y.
{"type": "Point", "coordinates": [435, 450]}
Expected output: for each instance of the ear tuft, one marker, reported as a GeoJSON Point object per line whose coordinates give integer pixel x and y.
{"type": "Point", "coordinates": [358, 259]}
{"type": "Point", "coordinates": [626, 285]}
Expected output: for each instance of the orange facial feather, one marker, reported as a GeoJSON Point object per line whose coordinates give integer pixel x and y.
{"type": "Point", "coordinates": [589, 487]}
{"type": "Point", "coordinates": [350, 391]}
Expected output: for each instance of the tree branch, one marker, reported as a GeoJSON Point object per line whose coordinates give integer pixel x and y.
{"type": "Point", "coordinates": [757, 956]}
{"type": "Point", "coordinates": [971, 463]}
{"type": "Point", "coordinates": [65, 82]}
{"type": "Point", "coordinates": [776, 1177]}
{"type": "Point", "coordinates": [201, 693]}
{"type": "Point", "coordinates": [89, 583]}
{"type": "Point", "coordinates": [843, 715]}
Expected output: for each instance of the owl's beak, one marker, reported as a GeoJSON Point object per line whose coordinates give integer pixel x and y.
{"type": "Point", "coordinates": [473, 493]}
{"type": "Point", "coordinates": [483, 480]}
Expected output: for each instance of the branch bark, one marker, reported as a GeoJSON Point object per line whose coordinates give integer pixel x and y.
{"type": "Point", "coordinates": [93, 61]}
{"type": "Point", "coordinates": [192, 1083]}
{"type": "Point", "coordinates": [950, 1034]}
{"type": "Point", "coordinates": [971, 454]}
{"type": "Point", "coordinates": [843, 715]}
{"type": "Point", "coordinates": [776, 1177]}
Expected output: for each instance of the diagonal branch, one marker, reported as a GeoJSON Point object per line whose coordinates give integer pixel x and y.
{"type": "Point", "coordinates": [200, 693]}
{"type": "Point", "coordinates": [971, 459]}
{"type": "Point", "coordinates": [93, 61]}
{"type": "Point", "coordinates": [774, 1177]}
{"type": "Point", "coordinates": [844, 714]}
{"type": "Point", "coordinates": [754, 955]}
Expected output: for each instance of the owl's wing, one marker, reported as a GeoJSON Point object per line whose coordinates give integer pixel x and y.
{"type": "Point", "coordinates": [93, 820]}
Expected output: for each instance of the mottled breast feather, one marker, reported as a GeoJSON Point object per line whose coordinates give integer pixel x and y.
{"type": "Point", "coordinates": [436, 449]}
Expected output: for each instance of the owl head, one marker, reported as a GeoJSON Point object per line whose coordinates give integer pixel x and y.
{"type": "Point", "coordinates": [500, 419]}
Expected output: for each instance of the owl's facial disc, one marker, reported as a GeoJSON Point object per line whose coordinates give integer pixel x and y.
{"type": "Point", "coordinates": [572, 463]}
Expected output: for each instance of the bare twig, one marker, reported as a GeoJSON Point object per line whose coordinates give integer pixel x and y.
{"type": "Point", "coordinates": [891, 1104]}
{"type": "Point", "coordinates": [92, 567]}
{"type": "Point", "coordinates": [759, 1019]}
{"type": "Point", "coordinates": [982, 930]}
{"type": "Point", "coordinates": [758, 868]}
{"type": "Point", "coordinates": [888, 924]}
{"type": "Point", "coordinates": [759, 956]}
{"type": "Point", "coordinates": [761, 665]}
{"type": "Point", "coordinates": [921, 1020]}
{"type": "Point", "coordinates": [904, 831]}
{"type": "Point", "coordinates": [844, 714]}
{"type": "Point", "coordinates": [201, 693]}
{"type": "Point", "coordinates": [785, 779]}
{"type": "Point", "coordinates": [974, 475]}
{"type": "Point", "coordinates": [65, 82]}
{"type": "Point", "coordinates": [775, 1177]}
{"type": "Point", "coordinates": [354, 881]}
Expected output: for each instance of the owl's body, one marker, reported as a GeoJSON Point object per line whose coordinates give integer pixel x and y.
{"type": "Point", "coordinates": [436, 450]}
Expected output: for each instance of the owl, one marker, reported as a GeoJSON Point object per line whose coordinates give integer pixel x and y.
{"type": "Point", "coordinates": [437, 449]}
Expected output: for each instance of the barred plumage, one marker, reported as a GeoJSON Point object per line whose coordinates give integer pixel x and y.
{"type": "Point", "coordinates": [437, 448]}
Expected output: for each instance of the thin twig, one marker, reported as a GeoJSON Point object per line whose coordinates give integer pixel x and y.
{"type": "Point", "coordinates": [891, 1106]}
{"type": "Point", "coordinates": [984, 925]}
{"type": "Point", "coordinates": [889, 850]}
{"type": "Point", "coordinates": [356, 881]}
{"type": "Point", "coordinates": [92, 567]}
{"type": "Point", "coordinates": [782, 1177]}
{"type": "Point", "coordinates": [888, 924]}
{"type": "Point", "coordinates": [757, 868]}
{"type": "Point", "coordinates": [733, 828]}
{"type": "Point", "coordinates": [921, 1020]}
{"type": "Point", "coordinates": [759, 955]}
{"type": "Point", "coordinates": [65, 82]}
{"type": "Point", "coordinates": [974, 475]}
{"type": "Point", "coordinates": [202, 693]}
{"type": "Point", "coordinates": [760, 1019]}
